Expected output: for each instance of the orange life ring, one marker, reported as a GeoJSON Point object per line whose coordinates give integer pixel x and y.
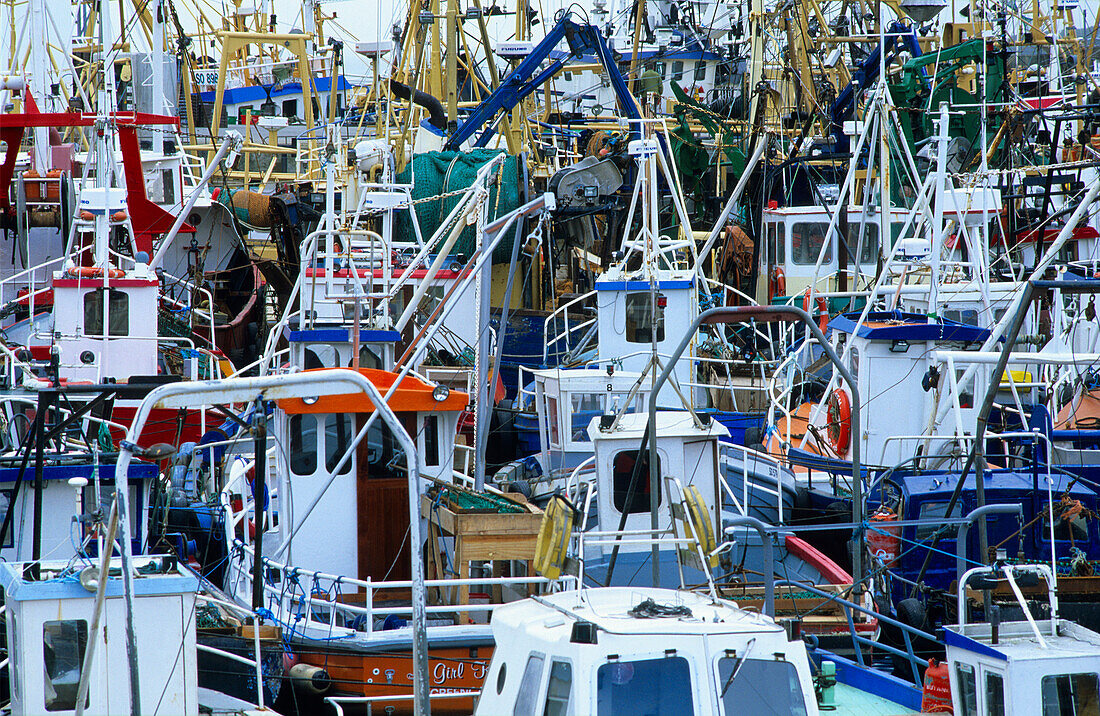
{"type": "Point", "coordinates": [778, 284]}
{"type": "Point", "coordinates": [94, 272]}
{"type": "Point", "coordinates": [839, 415]}
{"type": "Point", "coordinates": [822, 312]}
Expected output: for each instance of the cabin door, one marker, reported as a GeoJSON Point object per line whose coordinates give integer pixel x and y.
{"type": "Point", "coordinates": [382, 491]}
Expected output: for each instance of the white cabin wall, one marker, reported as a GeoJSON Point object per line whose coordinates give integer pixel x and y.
{"type": "Point", "coordinates": [893, 402]}
{"type": "Point", "coordinates": [334, 521]}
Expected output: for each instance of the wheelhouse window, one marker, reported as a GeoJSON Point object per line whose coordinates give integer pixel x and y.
{"type": "Point", "coordinates": [431, 440]}
{"type": "Point", "coordinates": [623, 466]}
{"type": "Point", "coordinates": [758, 686]}
{"type": "Point", "coordinates": [775, 237]}
{"type": "Point", "coordinates": [559, 688]}
{"type": "Point", "coordinates": [384, 457]}
{"type": "Point", "coordinates": [677, 70]}
{"type": "Point", "coordinates": [863, 242]}
{"type": "Point", "coordinates": [118, 306]}
{"type": "Point", "coordinates": [968, 690]}
{"type": "Point", "coordinates": [321, 355]}
{"type": "Point", "coordinates": [650, 686]}
{"type": "Point", "coordinates": [934, 511]}
{"type": "Point", "coordinates": [807, 238]}
{"type": "Point", "coordinates": [529, 686]}
{"type": "Point", "coordinates": [368, 359]}
{"type": "Point", "coordinates": [589, 405]}
{"type": "Point", "coordinates": [337, 436]}
{"type": "Point", "coordinates": [641, 326]}
{"type": "Point", "coordinates": [303, 444]}
{"type": "Point", "coordinates": [63, 644]}
{"type": "Point", "coordinates": [994, 694]}
{"type": "Point", "coordinates": [552, 420]}
{"type": "Point", "coordinates": [700, 70]}
{"type": "Point", "coordinates": [1076, 694]}
{"type": "Point", "coordinates": [969, 316]}
{"type": "Point", "coordinates": [5, 505]}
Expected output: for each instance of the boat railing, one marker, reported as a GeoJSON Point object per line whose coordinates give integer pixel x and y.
{"type": "Point", "coordinates": [572, 336]}
{"type": "Point", "coordinates": [850, 608]}
{"type": "Point", "coordinates": [338, 702]}
{"type": "Point", "coordinates": [308, 599]}
{"type": "Point", "coordinates": [256, 662]}
{"type": "Point", "coordinates": [236, 483]}
{"type": "Point", "coordinates": [988, 359]}
{"type": "Point", "coordinates": [273, 359]}
{"type": "Point", "coordinates": [526, 397]}
{"type": "Point", "coordinates": [13, 366]}
{"type": "Point", "coordinates": [467, 458]}
{"type": "Point", "coordinates": [746, 454]}
{"type": "Point", "coordinates": [31, 400]}
{"type": "Point", "coordinates": [1042, 570]}
{"type": "Point", "coordinates": [31, 277]}
{"type": "Point", "coordinates": [658, 537]}
{"type": "Point", "coordinates": [780, 400]}
{"type": "Point", "coordinates": [177, 287]}
{"type": "Point", "coordinates": [572, 483]}
{"type": "Point", "coordinates": [725, 289]}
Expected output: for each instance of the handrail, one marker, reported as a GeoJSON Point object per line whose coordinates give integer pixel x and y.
{"type": "Point", "coordinates": [574, 476]}
{"type": "Point", "coordinates": [225, 654]}
{"type": "Point", "coordinates": [337, 702]}
{"type": "Point", "coordinates": [908, 632]}
{"type": "Point", "coordinates": [310, 598]}
{"type": "Point", "coordinates": [562, 312]}
{"type": "Point", "coordinates": [746, 454]}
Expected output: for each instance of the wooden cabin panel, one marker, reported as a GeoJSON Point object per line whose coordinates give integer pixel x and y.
{"type": "Point", "coordinates": [382, 496]}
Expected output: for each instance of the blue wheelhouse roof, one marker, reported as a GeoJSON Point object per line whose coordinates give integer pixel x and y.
{"type": "Point", "coordinates": [999, 484]}
{"type": "Point", "coordinates": [907, 327]}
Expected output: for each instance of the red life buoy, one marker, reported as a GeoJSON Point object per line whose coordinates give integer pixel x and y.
{"type": "Point", "coordinates": [93, 272]}
{"type": "Point", "coordinates": [839, 416]}
{"type": "Point", "coordinates": [882, 539]}
{"type": "Point", "coordinates": [777, 286]}
{"type": "Point", "coordinates": [822, 312]}
{"type": "Point", "coordinates": [936, 694]}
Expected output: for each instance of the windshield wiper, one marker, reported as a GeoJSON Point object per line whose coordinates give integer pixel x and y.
{"type": "Point", "coordinates": [737, 667]}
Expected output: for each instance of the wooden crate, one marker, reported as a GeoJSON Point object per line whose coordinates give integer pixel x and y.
{"type": "Point", "coordinates": [481, 537]}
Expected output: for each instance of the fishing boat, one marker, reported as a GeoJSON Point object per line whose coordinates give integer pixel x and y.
{"type": "Point", "coordinates": [59, 657]}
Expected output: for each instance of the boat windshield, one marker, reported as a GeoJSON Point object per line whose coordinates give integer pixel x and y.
{"type": "Point", "coordinates": [586, 406]}
{"type": "Point", "coordinates": [756, 688]}
{"type": "Point", "coordinates": [651, 686]}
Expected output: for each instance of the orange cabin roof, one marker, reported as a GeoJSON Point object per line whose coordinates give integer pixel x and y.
{"type": "Point", "coordinates": [413, 395]}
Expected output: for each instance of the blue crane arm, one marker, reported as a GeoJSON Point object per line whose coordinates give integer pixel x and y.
{"type": "Point", "coordinates": [582, 39]}
{"type": "Point", "coordinates": [866, 75]}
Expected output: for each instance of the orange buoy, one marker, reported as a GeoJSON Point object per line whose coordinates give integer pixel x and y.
{"type": "Point", "coordinates": [822, 309]}
{"type": "Point", "coordinates": [883, 539]}
{"type": "Point", "coordinates": [839, 415]}
{"type": "Point", "coordinates": [93, 272]}
{"type": "Point", "coordinates": [777, 286]}
{"type": "Point", "coordinates": [936, 694]}
{"type": "Point", "coordinates": [118, 216]}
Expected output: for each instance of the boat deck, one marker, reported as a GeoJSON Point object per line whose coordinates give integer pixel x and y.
{"type": "Point", "coordinates": [850, 700]}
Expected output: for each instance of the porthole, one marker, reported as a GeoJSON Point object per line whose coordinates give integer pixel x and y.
{"type": "Point", "coordinates": [500, 677]}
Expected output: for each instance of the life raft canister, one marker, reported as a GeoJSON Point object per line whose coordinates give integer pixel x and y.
{"type": "Point", "coordinates": [882, 538]}
{"type": "Point", "coordinates": [936, 695]}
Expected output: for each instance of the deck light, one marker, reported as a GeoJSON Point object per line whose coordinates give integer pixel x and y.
{"type": "Point", "coordinates": [441, 393]}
